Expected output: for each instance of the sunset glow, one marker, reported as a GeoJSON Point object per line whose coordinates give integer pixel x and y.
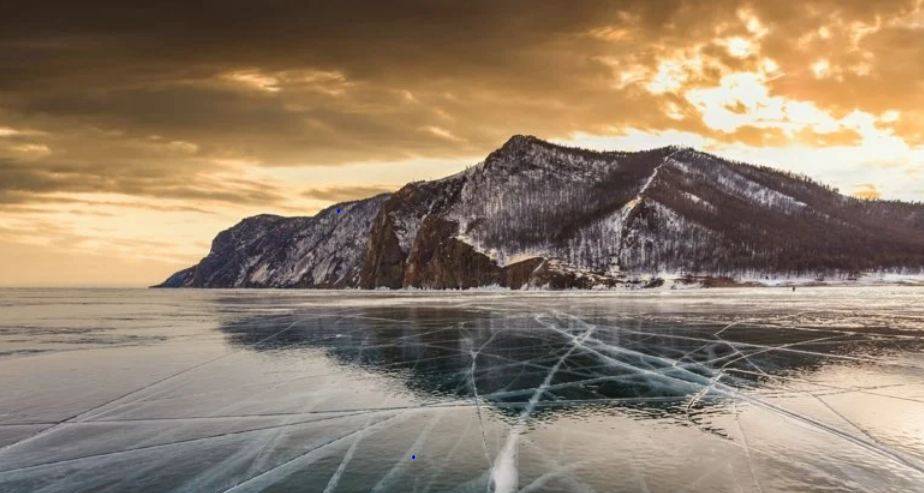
{"type": "Point", "coordinates": [128, 138]}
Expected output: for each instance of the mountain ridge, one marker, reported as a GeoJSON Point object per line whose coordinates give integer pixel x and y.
{"type": "Point", "coordinates": [537, 214]}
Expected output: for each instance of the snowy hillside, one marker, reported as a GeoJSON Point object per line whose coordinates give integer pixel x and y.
{"type": "Point", "coordinates": [535, 214]}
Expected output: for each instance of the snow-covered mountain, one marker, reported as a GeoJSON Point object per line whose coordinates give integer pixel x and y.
{"type": "Point", "coordinates": [535, 214]}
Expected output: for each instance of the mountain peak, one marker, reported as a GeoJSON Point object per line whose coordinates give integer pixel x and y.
{"type": "Point", "coordinates": [516, 147]}
{"type": "Point", "coordinates": [673, 149]}
{"type": "Point", "coordinates": [518, 142]}
{"type": "Point", "coordinates": [521, 138]}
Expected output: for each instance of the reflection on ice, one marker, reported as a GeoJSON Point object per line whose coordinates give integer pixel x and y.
{"type": "Point", "coordinates": [723, 390]}
{"type": "Point", "coordinates": [503, 358]}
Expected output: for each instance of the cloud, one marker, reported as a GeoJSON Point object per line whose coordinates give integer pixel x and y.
{"type": "Point", "coordinates": [342, 194]}
{"type": "Point", "coordinates": [255, 80]}
{"type": "Point", "coordinates": [143, 174]}
{"type": "Point", "coordinates": [12, 202]}
{"type": "Point", "coordinates": [31, 151]}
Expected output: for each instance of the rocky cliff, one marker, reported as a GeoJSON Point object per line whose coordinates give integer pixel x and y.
{"type": "Point", "coordinates": [323, 251]}
{"type": "Point", "coordinates": [535, 214]}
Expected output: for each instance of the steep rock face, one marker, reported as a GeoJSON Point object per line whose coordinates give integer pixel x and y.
{"type": "Point", "coordinates": [535, 214]}
{"type": "Point", "coordinates": [324, 251]}
{"type": "Point", "coordinates": [438, 260]}
{"type": "Point", "coordinates": [396, 227]}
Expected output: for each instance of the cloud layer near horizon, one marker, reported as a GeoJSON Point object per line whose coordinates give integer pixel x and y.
{"type": "Point", "coordinates": [124, 126]}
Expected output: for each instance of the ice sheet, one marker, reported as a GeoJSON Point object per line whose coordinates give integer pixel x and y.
{"type": "Point", "coordinates": [709, 390]}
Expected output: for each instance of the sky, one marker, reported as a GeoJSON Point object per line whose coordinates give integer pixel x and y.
{"type": "Point", "coordinates": [131, 135]}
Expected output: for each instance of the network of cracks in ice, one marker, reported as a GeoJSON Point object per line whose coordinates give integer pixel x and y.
{"type": "Point", "coordinates": [479, 393]}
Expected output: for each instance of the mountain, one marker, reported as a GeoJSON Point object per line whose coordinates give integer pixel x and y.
{"type": "Point", "coordinates": [535, 214]}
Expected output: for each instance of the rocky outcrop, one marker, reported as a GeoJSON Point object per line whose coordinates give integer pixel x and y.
{"type": "Point", "coordinates": [438, 260]}
{"type": "Point", "coordinates": [522, 274]}
{"type": "Point", "coordinates": [383, 264]}
{"type": "Point", "coordinates": [396, 227]}
{"type": "Point", "coordinates": [539, 215]}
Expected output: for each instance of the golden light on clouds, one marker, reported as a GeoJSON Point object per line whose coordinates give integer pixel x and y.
{"type": "Point", "coordinates": [138, 133]}
{"type": "Point", "coordinates": [738, 47]}
{"type": "Point", "coordinates": [821, 69]}
{"type": "Point", "coordinates": [254, 79]}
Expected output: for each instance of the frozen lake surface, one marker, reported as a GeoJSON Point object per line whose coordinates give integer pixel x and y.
{"type": "Point", "coordinates": [732, 390]}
